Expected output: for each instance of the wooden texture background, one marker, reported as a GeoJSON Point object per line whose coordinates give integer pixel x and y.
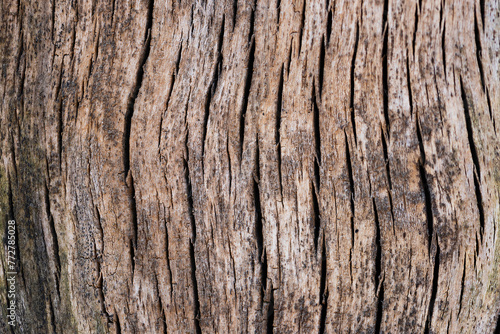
{"type": "Point", "coordinates": [286, 166]}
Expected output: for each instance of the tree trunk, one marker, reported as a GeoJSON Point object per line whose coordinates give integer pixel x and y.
{"type": "Point", "coordinates": [250, 166]}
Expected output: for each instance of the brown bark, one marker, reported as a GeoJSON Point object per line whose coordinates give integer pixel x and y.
{"type": "Point", "coordinates": [251, 166]}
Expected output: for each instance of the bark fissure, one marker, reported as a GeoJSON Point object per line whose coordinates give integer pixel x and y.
{"type": "Point", "coordinates": [353, 69]}
{"type": "Point", "coordinates": [329, 22]}
{"type": "Point", "coordinates": [477, 39]}
{"type": "Point", "coordinates": [434, 288]}
{"type": "Point", "coordinates": [479, 200]}
{"type": "Point", "coordinates": [316, 218]}
{"type": "Point", "coordinates": [192, 241]}
{"type": "Point", "coordinates": [428, 206]}
{"type": "Point", "coordinates": [323, 291]}
{"type": "Point", "coordinates": [351, 183]}
{"type": "Point", "coordinates": [462, 286]}
{"type": "Point", "coordinates": [135, 88]}
{"type": "Point", "coordinates": [386, 162]}
{"type": "Point", "coordinates": [415, 28]}
{"type": "Point", "coordinates": [321, 66]}
{"type": "Point", "coordinates": [278, 11]}
{"type": "Point", "coordinates": [246, 92]}
{"type": "Point", "coordinates": [279, 107]}
{"type": "Point", "coordinates": [408, 83]}
{"type": "Point", "coordinates": [235, 12]}
{"type": "Point", "coordinates": [259, 233]}
{"type": "Point", "coordinates": [212, 87]}
{"type": "Point", "coordinates": [55, 243]}
{"type": "Point", "coordinates": [270, 311]}
{"type": "Point", "coordinates": [302, 26]}
{"type": "Point", "coordinates": [470, 134]}
{"type": "Point", "coordinates": [385, 80]}
{"type": "Point", "coordinates": [167, 252]}
{"type": "Point", "coordinates": [196, 315]}
{"type": "Point", "coordinates": [490, 111]}
{"type": "Point", "coordinates": [379, 286]}
{"type": "Point", "coordinates": [98, 260]}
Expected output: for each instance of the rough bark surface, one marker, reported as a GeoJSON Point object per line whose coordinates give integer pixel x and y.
{"type": "Point", "coordinates": [279, 166]}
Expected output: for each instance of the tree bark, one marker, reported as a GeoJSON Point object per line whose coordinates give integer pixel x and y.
{"type": "Point", "coordinates": [251, 166]}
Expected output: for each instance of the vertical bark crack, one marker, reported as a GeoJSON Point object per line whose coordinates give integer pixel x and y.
{"type": "Point", "coordinates": [270, 311]}
{"type": "Point", "coordinates": [321, 66]}
{"type": "Point", "coordinates": [248, 85]}
{"type": "Point", "coordinates": [53, 235]}
{"type": "Point", "coordinates": [478, 51]}
{"type": "Point", "coordinates": [385, 80]}
{"type": "Point", "coordinates": [279, 107]}
{"type": "Point", "coordinates": [323, 290]}
{"type": "Point", "coordinates": [462, 286]}
{"type": "Point", "coordinates": [475, 159]}
{"type": "Point", "coordinates": [379, 286]}
{"type": "Point", "coordinates": [302, 26]}
{"type": "Point", "coordinates": [353, 69]}
{"type": "Point", "coordinates": [408, 83]}
{"type": "Point", "coordinates": [197, 314]}
{"type": "Point", "coordinates": [433, 291]}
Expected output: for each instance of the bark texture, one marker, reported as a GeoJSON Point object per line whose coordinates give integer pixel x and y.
{"type": "Point", "coordinates": [237, 166]}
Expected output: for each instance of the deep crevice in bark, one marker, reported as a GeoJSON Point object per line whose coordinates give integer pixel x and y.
{"type": "Point", "coordinates": [385, 80]}
{"type": "Point", "coordinates": [258, 211]}
{"type": "Point", "coordinates": [278, 11]}
{"type": "Point", "coordinates": [408, 83]}
{"type": "Point", "coordinates": [475, 159]}
{"type": "Point", "coordinates": [252, 24]}
{"type": "Point", "coordinates": [279, 107]}
{"type": "Point", "coordinates": [135, 90]}
{"type": "Point", "coordinates": [350, 175]}
{"type": "Point", "coordinates": [316, 219]}
{"type": "Point", "coordinates": [197, 314]}
{"type": "Point", "coordinates": [235, 12]}
{"type": "Point", "coordinates": [462, 286]}
{"type": "Point", "coordinates": [386, 160]}
{"type": "Point", "coordinates": [178, 60]}
{"type": "Point", "coordinates": [317, 133]}
{"type": "Point", "coordinates": [489, 110]}
{"type": "Point", "coordinates": [246, 94]}
{"type": "Point", "coordinates": [414, 39]}
{"type": "Point", "coordinates": [379, 285]}
{"type": "Point", "coordinates": [321, 66]}
{"type": "Point", "coordinates": [302, 26]}
{"type": "Point", "coordinates": [470, 133]}
{"type": "Point", "coordinates": [428, 206]}
{"type": "Point", "coordinates": [53, 322]}
{"type": "Point", "coordinates": [323, 291]}
{"type": "Point", "coordinates": [167, 251]}
{"type": "Point", "coordinates": [329, 22]}
{"type": "Point", "coordinates": [478, 52]}
{"type": "Point", "coordinates": [353, 68]}
{"type": "Point", "coordinates": [433, 290]}
{"type": "Point", "coordinates": [270, 312]}
{"type": "Point", "coordinates": [479, 200]}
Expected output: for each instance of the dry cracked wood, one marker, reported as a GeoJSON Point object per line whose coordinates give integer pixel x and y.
{"type": "Point", "coordinates": [252, 166]}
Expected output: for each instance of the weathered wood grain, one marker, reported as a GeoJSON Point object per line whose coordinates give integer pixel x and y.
{"type": "Point", "coordinates": [252, 166]}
